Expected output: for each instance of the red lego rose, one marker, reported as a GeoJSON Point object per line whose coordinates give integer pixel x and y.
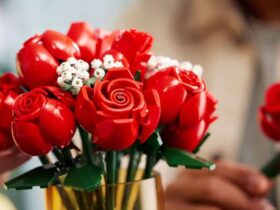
{"type": "Point", "coordinates": [116, 111]}
{"type": "Point", "coordinates": [269, 113]}
{"type": "Point", "coordinates": [41, 122]}
{"type": "Point", "coordinates": [9, 90]}
{"type": "Point", "coordinates": [40, 56]}
{"type": "Point", "coordinates": [186, 106]}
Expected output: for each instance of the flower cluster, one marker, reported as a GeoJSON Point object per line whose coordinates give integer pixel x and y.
{"type": "Point", "coordinates": [159, 63]}
{"type": "Point", "coordinates": [111, 89]}
{"type": "Point", "coordinates": [72, 74]}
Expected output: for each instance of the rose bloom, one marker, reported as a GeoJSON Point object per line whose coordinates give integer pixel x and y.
{"type": "Point", "coordinates": [117, 111]}
{"type": "Point", "coordinates": [43, 120]}
{"type": "Point", "coordinates": [40, 56]}
{"type": "Point", "coordinates": [9, 90]}
{"type": "Point", "coordinates": [269, 113]}
{"type": "Point", "coordinates": [186, 107]}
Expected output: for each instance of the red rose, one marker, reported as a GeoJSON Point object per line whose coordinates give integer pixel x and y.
{"type": "Point", "coordinates": [9, 90]}
{"type": "Point", "coordinates": [41, 55]}
{"type": "Point", "coordinates": [135, 46]}
{"type": "Point", "coordinates": [41, 122]}
{"type": "Point", "coordinates": [116, 111]}
{"type": "Point", "coordinates": [92, 43]}
{"type": "Point", "coordinates": [188, 132]}
{"type": "Point", "coordinates": [186, 106]}
{"type": "Point", "coordinates": [269, 113]}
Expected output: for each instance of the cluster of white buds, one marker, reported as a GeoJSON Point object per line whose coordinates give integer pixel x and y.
{"type": "Point", "coordinates": [73, 74]}
{"type": "Point", "coordinates": [101, 67]}
{"type": "Point", "coordinates": [158, 63]}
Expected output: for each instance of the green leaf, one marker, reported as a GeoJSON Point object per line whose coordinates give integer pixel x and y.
{"type": "Point", "coordinates": [137, 76]}
{"type": "Point", "coordinates": [197, 149]}
{"type": "Point", "coordinates": [43, 177]}
{"type": "Point", "coordinates": [84, 178]}
{"type": "Point", "coordinates": [176, 157]}
{"type": "Point", "coordinates": [152, 145]}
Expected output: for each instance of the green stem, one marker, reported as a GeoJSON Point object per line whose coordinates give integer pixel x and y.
{"type": "Point", "coordinates": [111, 160]}
{"type": "Point", "coordinates": [272, 168]}
{"type": "Point", "coordinates": [133, 165]}
{"type": "Point", "coordinates": [67, 156]}
{"type": "Point", "coordinates": [150, 163]}
{"type": "Point", "coordinates": [44, 160]}
{"type": "Point", "coordinates": [58, 155]}
{"type": "Point", "coordinates": [63, 194]}
{"type": "Point", "coordinates": [87, 146]}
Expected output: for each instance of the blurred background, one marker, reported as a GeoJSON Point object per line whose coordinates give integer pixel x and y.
{"type": "Point", "coordinates": [236, 41]}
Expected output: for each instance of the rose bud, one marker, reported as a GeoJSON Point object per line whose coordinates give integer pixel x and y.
{"type": "Point", "coordinates": [40, 56]}
{"type": "Point", "coordinates": [117, 111]}
{"type": "Point", "coordinates": [186, 106]}
{"type": "Point", "coordinates": [41, 122]}
{"type": "Point", "coordinates": [9, 90]}
{"type": "Point", "coordinates": [269, 113]}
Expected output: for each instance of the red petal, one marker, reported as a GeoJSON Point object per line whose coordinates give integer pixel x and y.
{"type": "Point", "coordinates": [34, 144]}
{"type": "Point", "coordinates": [36, 66]}
{"type": "Point", "coordinates": [84, 36]}
{"type": "Point", "coordinates": [172, 96]}
{"type": "Point", "coordinates": [153, 114]}
{"type": "Point", "coordinates": [116, 134]}
{"type": "Point", "coordinates": [186, 139]}
{"type": "Point", "coordinates": [270, 128]}
{"type": "Point", "coordinates": [272, 95]}
{"type": "Point", "coordinates": [193, 110]}
{"type": "Point", "coordinates": [57, 123]}
{"type": "Point", "coordinates": [117, 73]}
{"type": "Point", "coordinates": [60, 95]}
{"type": "Point", "coordinates": [6, 140]}
{"type": "Point", "coordinates": [60, 46]}
{"type": "Point", "coordinates": [6, 106]}
{"type": "Point", "coordinates": [85, 110]}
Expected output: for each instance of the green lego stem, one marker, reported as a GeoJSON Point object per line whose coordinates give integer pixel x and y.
{"type": "Point", "coordinates": [272, 168]}
{"type": "Point", "coordinates": [111, 163]}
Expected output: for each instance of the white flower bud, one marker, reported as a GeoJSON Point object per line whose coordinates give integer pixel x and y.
{"type": "Point", "coordinates": [99, 73]}
{"type": "Point", "coordinates": [77, 83]}
{"type": "Point", "coordinates": [83, 74]}
{"type": "Point", "coordinates": [60, 81]}
{"type": "Point", "coordinates": [72, 61]}
{"type": "Point", "coordinates": [59, 70]}
{"type": "Point", "coordinates": [186, 65]}
{"type": "Point", "coordinates": [80, 64]}
{"type": "Point", "coordinates": [96, 63]}
{"type": "Point", "coordinates": [67, 76]}
{"type": "Point", "coordinates": [198, 70]}
{"type": "Point", "coordinates": [108, 61]}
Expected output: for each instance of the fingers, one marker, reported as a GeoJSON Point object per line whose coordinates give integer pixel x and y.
{"type": "Point", "coordinates": [211, 190]}
{"type": "Point", "coordinates": [248, 179]}
{"type": "Point", "coordinates": [12, 160]}
{"type": "Point", "coordinates": [183, 206]}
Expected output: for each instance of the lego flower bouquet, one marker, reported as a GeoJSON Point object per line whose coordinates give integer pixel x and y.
{"type": "Point", "coordinates": [85, 101]}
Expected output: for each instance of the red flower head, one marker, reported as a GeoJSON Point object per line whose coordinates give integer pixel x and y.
{"type": "Point", "coordinates": [42, 121]}
{"type": "Point", "coordinates": [186, 106]}
{"type": "Point", "coordinates": [116, 111]}
{"type": "Point", "coordinates": [93, 43]}
{"type": "Point", "coordinates": [135, 46]}
{"type": "Point", "coordinates": [269, 113]}
{"type": "Point", "coordinates": [9, 90]}
{"type": "Point", "coordinates": [40, 56]}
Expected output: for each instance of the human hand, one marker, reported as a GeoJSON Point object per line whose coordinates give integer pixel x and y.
{"type": "Point", "coordinates": [231, 186]}
{"type": "Point", "coordinates": [10, 160]}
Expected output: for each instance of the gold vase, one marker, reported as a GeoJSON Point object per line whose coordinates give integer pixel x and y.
{"type": "Point", "coordinates": [142, 194]}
